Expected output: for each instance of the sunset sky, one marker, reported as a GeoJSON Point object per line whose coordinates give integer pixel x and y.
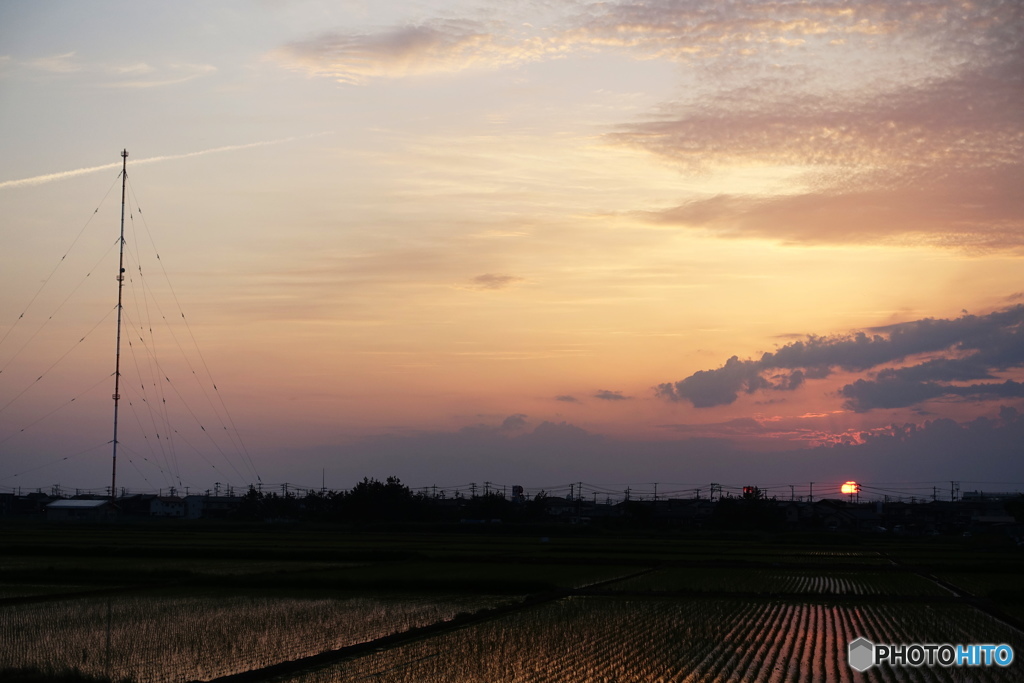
{"type": "Point", "coordinates": [531, 242]}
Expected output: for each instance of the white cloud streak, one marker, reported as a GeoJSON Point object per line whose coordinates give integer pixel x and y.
{"type": "Point", "coordinates": [59, 64]}
{"type": "Point", "coordinates": [63, 175]}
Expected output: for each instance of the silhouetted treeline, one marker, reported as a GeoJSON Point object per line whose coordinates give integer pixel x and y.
{"type": "Point", "coordinates": [372, 501]}
{"type": "Point", "coordinates": [375, 502]}
{"type": "Point", "coordinates": [390, 502]}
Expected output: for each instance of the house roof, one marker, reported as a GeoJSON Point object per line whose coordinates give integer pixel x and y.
{"type": "Point", "coordinates": [78, 504]}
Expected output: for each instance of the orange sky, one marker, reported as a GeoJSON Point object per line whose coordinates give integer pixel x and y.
{"type": "Point", "coordinates": [454, 241]}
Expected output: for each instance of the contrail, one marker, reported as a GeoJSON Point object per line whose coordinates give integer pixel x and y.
{"type": "Point", "coordinates": [61, 175]}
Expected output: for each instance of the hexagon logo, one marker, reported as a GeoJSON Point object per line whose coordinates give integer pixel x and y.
{"type": "Point", "coordinates": [861, 654]}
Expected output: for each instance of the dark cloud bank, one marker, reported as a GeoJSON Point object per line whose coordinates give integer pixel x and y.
{"type": "Point", "coordinates": [554, 454]}
{"type": "Point", "coordinates": [973, 350]}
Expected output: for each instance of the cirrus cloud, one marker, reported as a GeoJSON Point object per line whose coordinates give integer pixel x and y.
{"type": "Point", "coordinates": [435, 47]}
{"type": "Point", "coordinates": [893, 121]}
{"type": "Point", "coordinates": [917, 150]}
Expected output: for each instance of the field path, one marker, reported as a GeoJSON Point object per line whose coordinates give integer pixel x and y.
{"type": "Point", "coordinates": [961, 595]}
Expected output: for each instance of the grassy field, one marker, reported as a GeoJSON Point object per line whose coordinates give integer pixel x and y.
{"type": "Point", "coordinates": [184, 602]}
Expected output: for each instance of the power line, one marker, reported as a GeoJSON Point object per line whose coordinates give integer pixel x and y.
{"type": "Point", "coordinates": [233, 434]}
{"type": "Point", "coordinates": [60, 262]}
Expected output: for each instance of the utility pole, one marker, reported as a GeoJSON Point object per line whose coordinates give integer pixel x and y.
{"type": "Point", "coordinates": [810, 493]}
{"type": "Point", "coordinates": [792, 494]}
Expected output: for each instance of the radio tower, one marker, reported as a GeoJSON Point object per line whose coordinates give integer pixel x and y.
{"type": "Point", "coordinates": [117, 357]}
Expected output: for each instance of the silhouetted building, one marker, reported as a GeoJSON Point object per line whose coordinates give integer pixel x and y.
{"type": "Point", "coordinates": [167, 506]}
{"type": "Point", "coordinates": [217, 507]}
{"type": "Point", "coordinates": [80, 511]}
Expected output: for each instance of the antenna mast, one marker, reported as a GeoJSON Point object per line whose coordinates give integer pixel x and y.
{"type": "Point", "coordinates": [117, 358]}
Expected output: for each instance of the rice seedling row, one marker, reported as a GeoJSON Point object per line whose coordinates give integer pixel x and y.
{"type": "Point", "coordinates": [601, 639]}
{"type": "Point", "coordinates": [148, 638]}
{"type": "Point", "coordinates": [774, 581]}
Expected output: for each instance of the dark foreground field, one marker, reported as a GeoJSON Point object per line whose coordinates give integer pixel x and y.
{"type": "Point", "coordinates": [184, 602]}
